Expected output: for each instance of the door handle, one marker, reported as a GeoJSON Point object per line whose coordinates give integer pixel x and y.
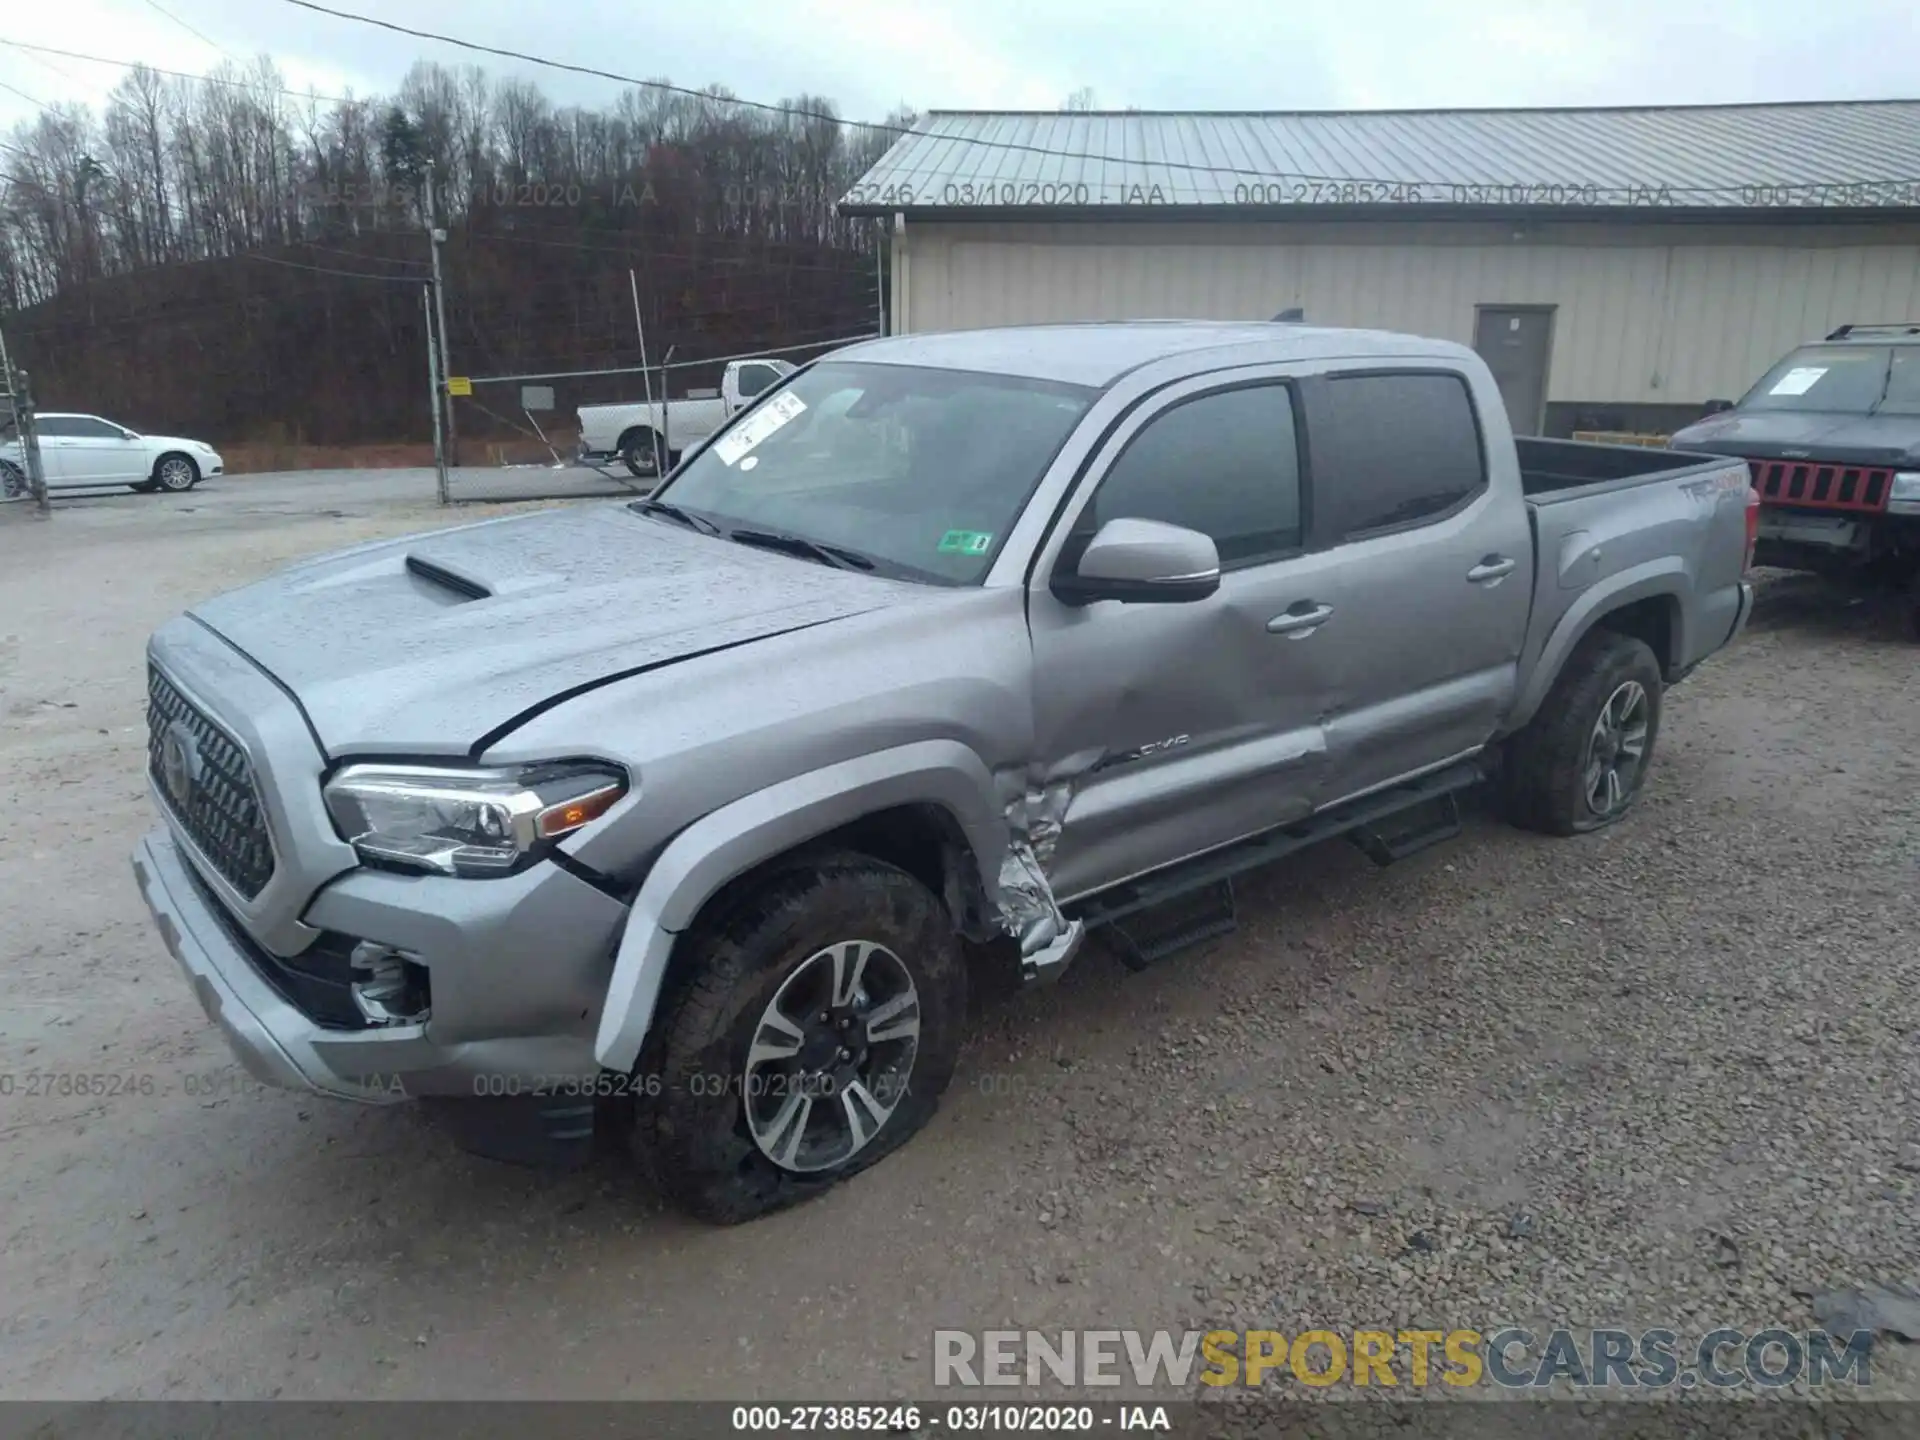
{"type": "Point", "coordinates": [1300, 620]}
{"type": "Point", "coordinates": [1491, 568]}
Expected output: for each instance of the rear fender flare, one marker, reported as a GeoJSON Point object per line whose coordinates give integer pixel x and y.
{"type": "Point", "coordinates": [1666, 576]}
{"type": "Point", "coordinates": [756, 828]}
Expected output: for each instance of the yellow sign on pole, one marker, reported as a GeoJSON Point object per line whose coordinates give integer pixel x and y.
{"type": "Point", "coordinates": [459, 385]}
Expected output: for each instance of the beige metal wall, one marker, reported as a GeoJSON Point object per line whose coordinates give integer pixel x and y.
{"type": "Point", "coordinates": [1647, 313]}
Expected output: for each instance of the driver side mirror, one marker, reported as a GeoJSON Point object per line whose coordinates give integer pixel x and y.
{"type": "Point", "coordinates": [1714, 407]}
{"type": "Point", "coordinates": [1141, 561]}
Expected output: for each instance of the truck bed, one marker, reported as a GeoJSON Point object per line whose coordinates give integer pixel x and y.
{"type": "Point", "coordinates": [1622, 521]}
{"type": "Point", "coordinates": [1548, 467]}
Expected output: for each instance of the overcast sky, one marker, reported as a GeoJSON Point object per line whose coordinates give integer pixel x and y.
{"type": "Point", "coordinates": [871, 55]}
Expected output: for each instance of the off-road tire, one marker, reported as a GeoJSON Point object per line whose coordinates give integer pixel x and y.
{"type": "Point", "coordinates": [689, 1132]}
{"type": "Point", "coordinates": [1544, 772]}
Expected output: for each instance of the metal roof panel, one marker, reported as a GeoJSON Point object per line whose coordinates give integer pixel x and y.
{"type": "Point", "coordinates": [1796, 156]}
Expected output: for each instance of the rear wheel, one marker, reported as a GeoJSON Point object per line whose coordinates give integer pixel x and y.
{"type": "Point", "coordinates": [175, 474]}
{"type": "Point", "coordinates": [638, 453]}
{"type": "Point", "coordinates": [13, 481]}
{"type": "Point", "coordinates": [815, 1021]}
{"type": "Point", "coordinates": [1581, 762]}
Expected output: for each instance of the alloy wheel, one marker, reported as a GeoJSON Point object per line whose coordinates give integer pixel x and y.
{"type": "Point", "coordinates": [832, 1056]}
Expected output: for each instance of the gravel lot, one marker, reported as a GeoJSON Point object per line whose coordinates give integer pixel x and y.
{"type": "Point", "coordinates": [1662, 1076]}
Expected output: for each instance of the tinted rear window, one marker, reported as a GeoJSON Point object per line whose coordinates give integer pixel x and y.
{"type": "Point", "coordinates": [1392, 450]}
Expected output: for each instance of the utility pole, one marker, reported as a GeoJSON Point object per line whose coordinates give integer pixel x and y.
{"type": "Point", "coordinates": [20, 400]}
{"type": "Point", "coordinates": [436, 237]}
{"type": "Point", "coordinates": [646, 380]}
{"type": "Point", "coordinates": [435, 387]}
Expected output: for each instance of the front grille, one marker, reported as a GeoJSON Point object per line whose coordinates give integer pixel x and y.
{"type": "Point", "coordinates": [1820, 487]}
{"type": "Point", "coordinates": [221, 809]}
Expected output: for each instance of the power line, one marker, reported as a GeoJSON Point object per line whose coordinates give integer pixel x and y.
{"type": "Point", "coordinates": [24, 95]}
{"type": "Point", "coordinates": [641, 252]}
{"type": "Point", "coordinates": [53, 69]}
{"type": "Point", "coordinates": [686, 90]}
{"type": "Point", "coordinates": [358, 255]}
{"type": "Point", "coordinates": [883, 127]}
{"type": "Point", "coordinates": [329, 270]}
{"type": "Point", "coordinates": [797, 112]}
{"type": "Point", "coordinates": [157, 6]}
{"type": "Point", "coordinates": [176, 74]}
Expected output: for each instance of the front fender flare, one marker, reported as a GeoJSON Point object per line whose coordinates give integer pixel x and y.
{"type": "Point", "coordinates": [769, 822]}
{"type": "Point", "coordinates": [1662, 578]}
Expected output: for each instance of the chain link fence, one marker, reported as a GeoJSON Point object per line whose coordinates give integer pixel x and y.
{"type": "Point", "coordinates": [528, 442]}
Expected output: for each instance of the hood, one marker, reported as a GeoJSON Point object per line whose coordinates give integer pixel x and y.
{"type": "Point", "coordinates": [178, 442]}
{"type": "Point", "coordinates": [1806, 435]}
{"type": "Point", "coordinates": [427, 644]}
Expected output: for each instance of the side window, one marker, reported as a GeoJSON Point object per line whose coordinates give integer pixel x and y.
{"type": "Point", "coordinates": [754, 379]}
{"type": "Point", "coordinates": [85, 427]}
{"type": "Point", "coordinates": [1226, 464]}
{"type": "Point", "coordinates": [55, 427]}
{"type": "Point", "coordinates": [1391, 450]}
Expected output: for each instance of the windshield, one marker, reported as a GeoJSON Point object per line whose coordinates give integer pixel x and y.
{"type": "Point", "coordinates": [1841, 380]}
{"type": "Point", "coordinates": [920, 471]}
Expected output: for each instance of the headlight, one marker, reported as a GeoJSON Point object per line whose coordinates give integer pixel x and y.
{"type": "Point", "coordinates": [1904, 497]}
{"type": "Point", "coordinates": [467, 822]}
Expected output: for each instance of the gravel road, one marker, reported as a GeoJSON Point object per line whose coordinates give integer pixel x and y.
{"type": "Point", "coordinates": [1666, 1075]}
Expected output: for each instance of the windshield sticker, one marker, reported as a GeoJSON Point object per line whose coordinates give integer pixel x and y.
{"type": "Point", "coordinates": [1798, 380]}
{"type": "Point", "coordinates": [749, 462]}
{"type": "Point", "coordinates": [966, 542]}
{"type": "Point", "coordinates": [758, 426]}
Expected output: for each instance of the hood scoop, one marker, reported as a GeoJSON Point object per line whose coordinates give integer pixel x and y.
{"type": "Point", "coordinates": [447, 578]}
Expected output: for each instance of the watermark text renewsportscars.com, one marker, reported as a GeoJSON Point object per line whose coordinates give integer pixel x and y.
{"type": "Point", "coordinates": [1506, 1358]}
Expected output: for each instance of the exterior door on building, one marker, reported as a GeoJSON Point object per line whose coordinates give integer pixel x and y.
{"type": "Point", "coordinates": [1516, 342]}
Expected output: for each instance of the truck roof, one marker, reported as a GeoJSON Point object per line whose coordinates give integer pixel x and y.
{"type": "Point", "coordinates": [1880, 332]}
{"type": "Point", "coordinates": [1097, 353]}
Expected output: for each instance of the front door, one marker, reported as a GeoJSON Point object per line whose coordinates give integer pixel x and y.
{"type": "Point", "coordinates": [90, 452]}
{"type": "Point", "coordinates": [1516, 341]}
{"type": "Point", "coordinates": [1166, 730]}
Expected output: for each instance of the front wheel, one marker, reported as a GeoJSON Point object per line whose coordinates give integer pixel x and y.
{"type": "Point", "coordinates": [1581, 762]}
{"type": "Point", "coordinates": [809, 1030]}
{"type": "Point", "coordinates": [176, 474]}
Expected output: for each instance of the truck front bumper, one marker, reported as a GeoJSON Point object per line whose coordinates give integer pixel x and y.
{"type": "Point", "coordinates": [517, 1012]}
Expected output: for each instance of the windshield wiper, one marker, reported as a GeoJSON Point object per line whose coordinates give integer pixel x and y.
{"type": "Point", "coordinates": [838, 556]}
{"type": "Point", "coordinates": [674, 512]}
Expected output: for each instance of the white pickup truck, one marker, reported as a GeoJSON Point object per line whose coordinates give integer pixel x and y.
{"type": "Point", "coordinates": [642, 437]}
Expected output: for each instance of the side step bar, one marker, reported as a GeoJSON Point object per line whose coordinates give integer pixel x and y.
{"type": "Point", "coordinates": [1147, 937]}
{"type": "Point", "coordinates": [1361, 819]}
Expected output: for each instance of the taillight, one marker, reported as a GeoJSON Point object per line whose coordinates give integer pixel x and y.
{"type": "Point", "coordinates": [1753, 526]}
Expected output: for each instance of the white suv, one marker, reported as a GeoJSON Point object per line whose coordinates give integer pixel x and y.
{"type": "Point", "coordinates": [87, 452]}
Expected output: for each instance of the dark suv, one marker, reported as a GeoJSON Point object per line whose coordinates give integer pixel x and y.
{"type": "Point", "coordinates": [1831, 435]}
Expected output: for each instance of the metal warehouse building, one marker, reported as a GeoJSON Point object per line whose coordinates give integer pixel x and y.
{"type": "Point", "coordinates": [1618, 268]}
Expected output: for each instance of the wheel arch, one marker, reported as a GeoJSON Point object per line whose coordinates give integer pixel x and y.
{"type": "Point", "coordinates": [927, 807]}
{"type": "Point", "coordinates": [1644, 602]}
{"type": "Point", "coordinates": [153, 470]}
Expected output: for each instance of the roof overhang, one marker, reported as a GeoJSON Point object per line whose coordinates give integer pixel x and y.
{"type": "Point", "coordinates": [1391, 214]}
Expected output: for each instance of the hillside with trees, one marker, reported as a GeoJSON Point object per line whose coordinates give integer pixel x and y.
{"type": "Point", "coordinates": [222, 257]}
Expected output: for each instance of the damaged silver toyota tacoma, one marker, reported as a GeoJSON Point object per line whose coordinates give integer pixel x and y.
{"type": "Point", "coordinates": [693, 819]}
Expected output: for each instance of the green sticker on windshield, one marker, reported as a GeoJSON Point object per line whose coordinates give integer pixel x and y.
{"type": "Point", "coordinates": [966, 542]}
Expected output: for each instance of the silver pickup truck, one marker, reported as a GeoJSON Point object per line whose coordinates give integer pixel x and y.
{"type": "Point", "coordinates": [694, 818]}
